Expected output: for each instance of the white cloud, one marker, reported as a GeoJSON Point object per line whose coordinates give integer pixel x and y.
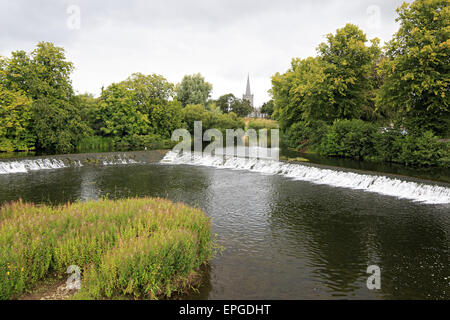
{"type": "Point", "coordinates": [223, 40]}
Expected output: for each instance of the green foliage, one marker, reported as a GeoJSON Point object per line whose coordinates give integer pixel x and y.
{"type": "Point", "coordinates": [259, 124]}
{"type": "Point", "coordinates": [193, 89]}
{"type": "Point", "coordinates": [362, 140]}
{"type": "Point", "coordinates": [268, 108]}
{"type": "Point", "coordinates": [145, 247]}
{"type": "Point", "coordinates": [349, 138]}
{"type": "Point", "coordinates": [210, 119]}
{"type": "Point", "coordinates": [15, 121]}
{"type": "Point", "coordinates": [42, 78]}
{"type": "Point", "coordinates": [95, 144]}
{"type": "Point", "coordinates": [303, 134]}
{"type": "Point", "coordinates": [137, 114]}
{"type": "Point", "coordinates": [229, 103]}
{"type": "Point", "coordinates": [337, 84]}
{"type": "Point", "coordinates": [166, 118]}
{"type": "Point", "coordinates": [89, 111]}
{"type": "Point", "coordinates": [416, 72]}
{"type": "Point", "coordinates": [423, 150]}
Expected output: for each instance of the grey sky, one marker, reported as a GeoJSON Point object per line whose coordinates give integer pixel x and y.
{"type": "Point", "coordinates": [223, 40]}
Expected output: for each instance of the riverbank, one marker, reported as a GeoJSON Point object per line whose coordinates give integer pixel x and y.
{"type": "Point", "coordinates": [146, 248]}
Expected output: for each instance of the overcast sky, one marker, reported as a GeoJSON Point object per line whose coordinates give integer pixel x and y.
{"type": "Point", "coordinates": [223, 40]}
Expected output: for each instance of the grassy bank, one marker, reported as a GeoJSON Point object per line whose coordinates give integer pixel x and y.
{"type": "Point", "coordinates": [139, 248]}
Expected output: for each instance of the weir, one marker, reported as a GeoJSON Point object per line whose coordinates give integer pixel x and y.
{"type": "Point", "coordinates": [416, 191]}
{"type": "Point", "coordinates": [27, 165]}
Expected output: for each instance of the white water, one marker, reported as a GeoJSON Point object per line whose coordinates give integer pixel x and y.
{"type": "Point", "coordinates": [420, 192]}
{"type": "Point", "coordinates": [24, 166]}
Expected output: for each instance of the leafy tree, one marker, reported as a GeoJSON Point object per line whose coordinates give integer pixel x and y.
{"type": "Point", "coordinates": [335, 85]}
{"type": "Point", "coordinates": [229, 103]}
{"type": "Point", "coordinates": [166, 118]}
{"type": "Point", "coordinates": [149, 90]}
{"type": "Point", "coordinates": [44, 77]}
{"type": "Point", "coordinates": [417, 72]}
{"type": "Point", "coordinates": [225, 102]}
{"type": "Point", "coordinates": [348, 63]}
{"type": "Point", "coordinates": [193, 89]}
{"type": "Point", "coordinates": [120, 114]}
{"type": "Point", "coordinates": [15, 118]}
{"type": "Point", "coordinates": [268, 108]}
{"type": "Point", "coordinates": [299, 95]}
{"type": "Point", "coordinates": [241, 108]}
{"type": "Point", "coordinates": [89, 110]}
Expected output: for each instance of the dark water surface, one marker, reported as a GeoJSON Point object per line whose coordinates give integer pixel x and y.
{"type": "Point", "coordinates": [283, 239]}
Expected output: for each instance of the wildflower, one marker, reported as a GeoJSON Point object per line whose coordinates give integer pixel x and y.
{"type": "Point", "coordinates": [7, 273]}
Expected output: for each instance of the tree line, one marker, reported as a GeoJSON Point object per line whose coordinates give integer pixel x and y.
{"type": "Point", "coordinates": [356, 99]}
{"type": "Point", "coordinates": [40, 111]}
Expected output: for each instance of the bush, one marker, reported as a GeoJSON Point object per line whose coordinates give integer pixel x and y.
{"type": "Point", "coordinates": [140, 142]}
{"type": "Point", "coordinates": [422, 150]}
{"type": "Point", "coordinates": [349, 138]}
{"type": "Point", "coordinates": [154, 234]}
{"type": "Point", "coordinates": [303, 134]}
{"type": "Point", "coordinates": [210, 119]}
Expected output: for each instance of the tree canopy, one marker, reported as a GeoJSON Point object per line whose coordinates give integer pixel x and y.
{"type": "Point", "coordinates": [193, 89]}
{"type": "Point", "coordinates": [416, 73]}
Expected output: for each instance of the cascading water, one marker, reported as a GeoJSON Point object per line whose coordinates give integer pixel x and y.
{"type": "Point", "coordinates": [24, 166]}
{"type": "Point", "coordinates": [421, 192]}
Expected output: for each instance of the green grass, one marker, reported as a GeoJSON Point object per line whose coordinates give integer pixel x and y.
{"type": "Point", "coordinates": [138, 248]}
{"type": "Point", "coordinates": [260, 123]}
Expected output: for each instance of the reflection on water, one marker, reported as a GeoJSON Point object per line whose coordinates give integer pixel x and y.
{"type": "Point", "coordinates": [283, 239]}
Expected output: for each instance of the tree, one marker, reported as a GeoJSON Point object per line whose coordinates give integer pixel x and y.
{"type": "Point", "coordinates": [241, 108]}
{"type": "Point", "coordinates": [268, 108]}
{"type": "Point", "coordinates": [225, 102]}
{"type": "Point", "coordinates": [348, 63]}
{"type": "Point", "coordinates": [166, 118]}
{"type": "Point", "coordinates": [149, 90]}
{"type": "Point", "coordinates": [229, 103]}
{"type": "Point", "coordinates": [416, 72]}
{"type": "Point", "coordinates": [15, 118]}
{"type": "Point", "coordinates": [89, 111]}
{"type": "Point", "coordinates": [44, 77]}
{"type": "Point", "coordinates": [335, 85]}
{"type": "Point", "coordinates": [193, 89]}
{"type": "Point", "coordinates": [120, 114]}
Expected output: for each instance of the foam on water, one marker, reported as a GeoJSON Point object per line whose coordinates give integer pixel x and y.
{"type": "Point", "coordinates": [421, 192]}
{"type": "Point", "coordinates": [24, 166]}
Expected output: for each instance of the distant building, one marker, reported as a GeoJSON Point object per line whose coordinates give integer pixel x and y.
{"type": "Point", "coordinates": [249, 97]}
{"type": "Point", "coordinates": [248, 93]}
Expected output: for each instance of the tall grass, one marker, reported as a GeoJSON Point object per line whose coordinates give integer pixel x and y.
{"type": "Point", "coordinates": [260, 123]}
{"type": "Point", "coordinates": [143, 248]}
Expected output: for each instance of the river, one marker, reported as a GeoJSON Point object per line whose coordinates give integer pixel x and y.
{"type": "Point", "coordinates": [289, 231]}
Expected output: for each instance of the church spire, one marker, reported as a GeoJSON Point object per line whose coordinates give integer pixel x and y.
{"type": "Point", "coordinates": [248, 94]}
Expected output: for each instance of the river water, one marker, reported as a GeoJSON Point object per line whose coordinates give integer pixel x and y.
{"type": "Point", "coordinates": [289, 231]}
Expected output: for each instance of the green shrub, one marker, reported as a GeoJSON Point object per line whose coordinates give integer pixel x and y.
{"type": "Point", "coordinates": [422, 150]}
{"type": "Point", "coordinates": [350, 138]}
{"type": "Point", "coordinates": [302, 134]}
{"type": "Point", "coordinates": [95, 144]}
{"type": "Point", "coordinates": [37, 241]}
